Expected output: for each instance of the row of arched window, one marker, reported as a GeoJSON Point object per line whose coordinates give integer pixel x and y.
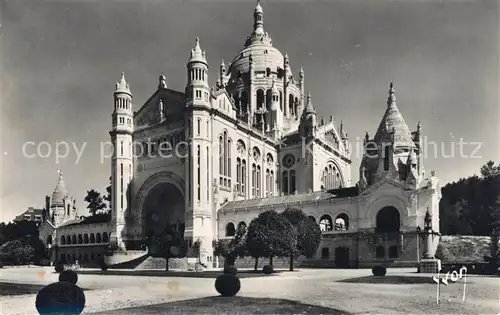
{"type": "Point", "coordinates": [91, 238]}
{"type": "Point", "coordinates": [264, 100]}
{"type": "Point", "coordinates": [82, 258]}
{"type": "Point", "coordinates": [231, 228]}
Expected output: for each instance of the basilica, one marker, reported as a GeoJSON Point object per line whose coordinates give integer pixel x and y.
{"type": "Point", "coordinates": [210, 158]}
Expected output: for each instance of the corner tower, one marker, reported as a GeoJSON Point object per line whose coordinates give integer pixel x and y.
{"type": "Point", "coordinates": [198, 192]}
{"type": "Point", "coordinates": [122, 160]}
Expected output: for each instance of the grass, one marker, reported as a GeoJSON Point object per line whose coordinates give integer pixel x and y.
{"type": "Point", "coordinates": [394, 280]}
{"type": "Point", "coordinates": [211, 274]}
{"type": "Point", "coordinates": [228, 305]}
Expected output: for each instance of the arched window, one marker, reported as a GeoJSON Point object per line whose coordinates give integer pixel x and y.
{"type": "Point", "coordinates": [98, 238]}
{"type": "Point", "coordinates": [284, 187]}
{"type": "Point", "coordinates": [49, 240]}
{"type": "Point", "coordinates": [244, 101]}
{"type": "Point", "coordinates": [63, 240]}
{"type": "Point", "coordinates": [80, 239]}
{"type": "Point", "coordinates": [325, 223]}
{"type": "Point", "coordinates": [68, 239]}
{"type": "Point", "coordinates": [242, 226]}
{"type": "Point", "coordinates": [312, 218]}
{"type": "Point", "coordinates": [386, 158]}
{"type": "Point", "coordinates": [268, 71]}
{"type": "Point", "coordinates": [254, 180]}
{"type": "Point", "coordinates": [388, 220]}
{"type": "Point", "coordinates": [243, 176]}
{"type": "Point", "coordinates": [271, 183]}
{"type": "Point", "coordinates": [92, 238]}
{"type": "Point", "coordinates": [330, 178]}
{"type": "Point", "coordinates": [198, 126]}
{"type": "Point", "coordinates": [342, 222]}
{"type": "Point", "coordinates": [290, 104]}
{"type": "Point", "coordinates": [85, 238]}
{"type": "Point", "coordinates": [73, 239]}
{"type": "Point", "coordinates": [105, 237]}
{"type": "Point", "coordinates": [258, 178]}
{"type": "Point", "coordinates": [293, 187]}
{"type": "Point", "coordinates": [230, 230]}
{"type": "Point", "coordinates": [269, 98]}
{"type": "Point", "coordinates": [260, 99]}
{"type": "Point", "coordinates": [238, 174]}
{"type": "Point", "coordinates": [225, 160]}
{"type": "Point", "coordinates": [268, 183]}
{"type": "Point", "coordinates": [296, 106]}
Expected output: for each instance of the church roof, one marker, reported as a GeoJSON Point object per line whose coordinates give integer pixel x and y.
{"type": "Point", "coordinates": [291, 199]}
{"type": "Point", "coordinates": [393, 121]}
{"type": "Point", "coordinates": [122, 86]}
{"type": "Point", "coordinates": [59, 192]}
{"type": "Point", "coordinates": [197, 55]}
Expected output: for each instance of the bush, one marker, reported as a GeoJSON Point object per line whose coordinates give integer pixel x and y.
{"type": "Point", "coordinates": [59, 267]}
{"type": "Point", "coordinates": [268, 269]}
{"type": "Point", "coordinates": [227, 284]}
{"type": "Point", "coordinates": [379, 271]}
{"type": "Point", "coordinates": [230, 270]}
{"type": "Point", "coordinates": [68, 276]}
{"type": "Point", "coordinates": [60, 298]}
{"type": "Point", "coordinates": [1, 265]}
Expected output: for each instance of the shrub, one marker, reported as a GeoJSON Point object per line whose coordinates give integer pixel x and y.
{"type": "Point", "coordinates": [1, 265]}
{"type": "Point", "coordinates": [379, 271]}
{"type": "Point", "coordinates": [230, 270]}
{"type": "Point", "coordinates": [268, 269]}
{"type": "Point", "coordinates": [68, 276]}
{"type": "Point", "coordinates": [60, 298]}
{"type": "Point", "coordinates": [227, 284]}
{"type": "Point", "coordinates": [59, 267]}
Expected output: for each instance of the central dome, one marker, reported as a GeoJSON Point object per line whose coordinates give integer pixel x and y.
{"type": "Point", "coordinates": [259, 47]}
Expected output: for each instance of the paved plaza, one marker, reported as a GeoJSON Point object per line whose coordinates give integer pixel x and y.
{"type": "Point", "coordinates": [310, 286]}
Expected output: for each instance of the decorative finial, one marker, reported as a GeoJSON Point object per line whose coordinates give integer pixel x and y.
{"type": "Point", "coordinates": [309, 96]}
{"type": "Point", "coordinates": [198, 42]}
{"type": "Point", "coordinates": [419, 126]}
{"type": "Point", "coordinates": [331, 118]}
{"type": "Point", "coordinates": [162, 82]}
{"type": "Point", "coordinates": [222, 64]}
{"type": "Point", "coordinates": [392, 98]}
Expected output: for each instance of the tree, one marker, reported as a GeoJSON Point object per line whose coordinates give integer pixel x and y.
{"type": "Point", "coordinates": [307, 233]}
{"type": "Point", "coordinates": [270, 235]}
{"type": "Point", "coordinates": [107, 197]}
{"type": "Point", "coordinates": [236, 247]}
{"type": "Point", "coordinates": [94, 201]}
{"type": "Point", "coordinates": [489, 169]}
{"type": "Point", "coordinates": [16, 252]}
{"type": "Point", "coordinates": [170, 242]}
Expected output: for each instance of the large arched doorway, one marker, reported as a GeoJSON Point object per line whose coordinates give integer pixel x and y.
{"type": "Point", "coordinates": [342, 257]}
{"type": "Point", "coordinates": [163, 207]}
{"type": "Point", "coordinates": [388, 220]}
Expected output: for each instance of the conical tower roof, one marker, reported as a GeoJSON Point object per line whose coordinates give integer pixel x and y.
{"type": "Point", "coordinates": [393, 121]}
{"type": "Point", "coordinates": [59, 192]}
{"type": "Point", "coordinates": [309, 109]}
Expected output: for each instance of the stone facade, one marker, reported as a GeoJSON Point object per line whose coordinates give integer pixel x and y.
{"type": "Point", "coordinates": [71, 237]}
{"type": "Point", "coordinates": [211, 158]}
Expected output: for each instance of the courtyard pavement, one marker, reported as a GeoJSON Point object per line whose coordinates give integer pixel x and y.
{"type": "Point", "coordinates": [312, 286]}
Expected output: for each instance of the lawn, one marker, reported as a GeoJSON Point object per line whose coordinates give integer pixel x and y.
{"type": "Point", "coordinates": [228, 305]}
{"type": "Point", "coordinates": [211, 274]}
{"type": "Point", "coordinates": [408, 279]}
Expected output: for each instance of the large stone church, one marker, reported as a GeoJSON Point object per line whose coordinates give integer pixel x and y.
{"type": "Point", "coordinates": [212, 157]}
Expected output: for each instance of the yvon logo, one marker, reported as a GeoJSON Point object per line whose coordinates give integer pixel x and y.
{"type": "Point", "coordinates": [452, 276]}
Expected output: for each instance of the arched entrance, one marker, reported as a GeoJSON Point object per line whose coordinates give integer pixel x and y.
{"type": "Point", "coordinates": [388, 220]}
{"type": "Point", "coordinates": [163, 207]}
{"type": "Point", "coordinates": [342, 257]}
